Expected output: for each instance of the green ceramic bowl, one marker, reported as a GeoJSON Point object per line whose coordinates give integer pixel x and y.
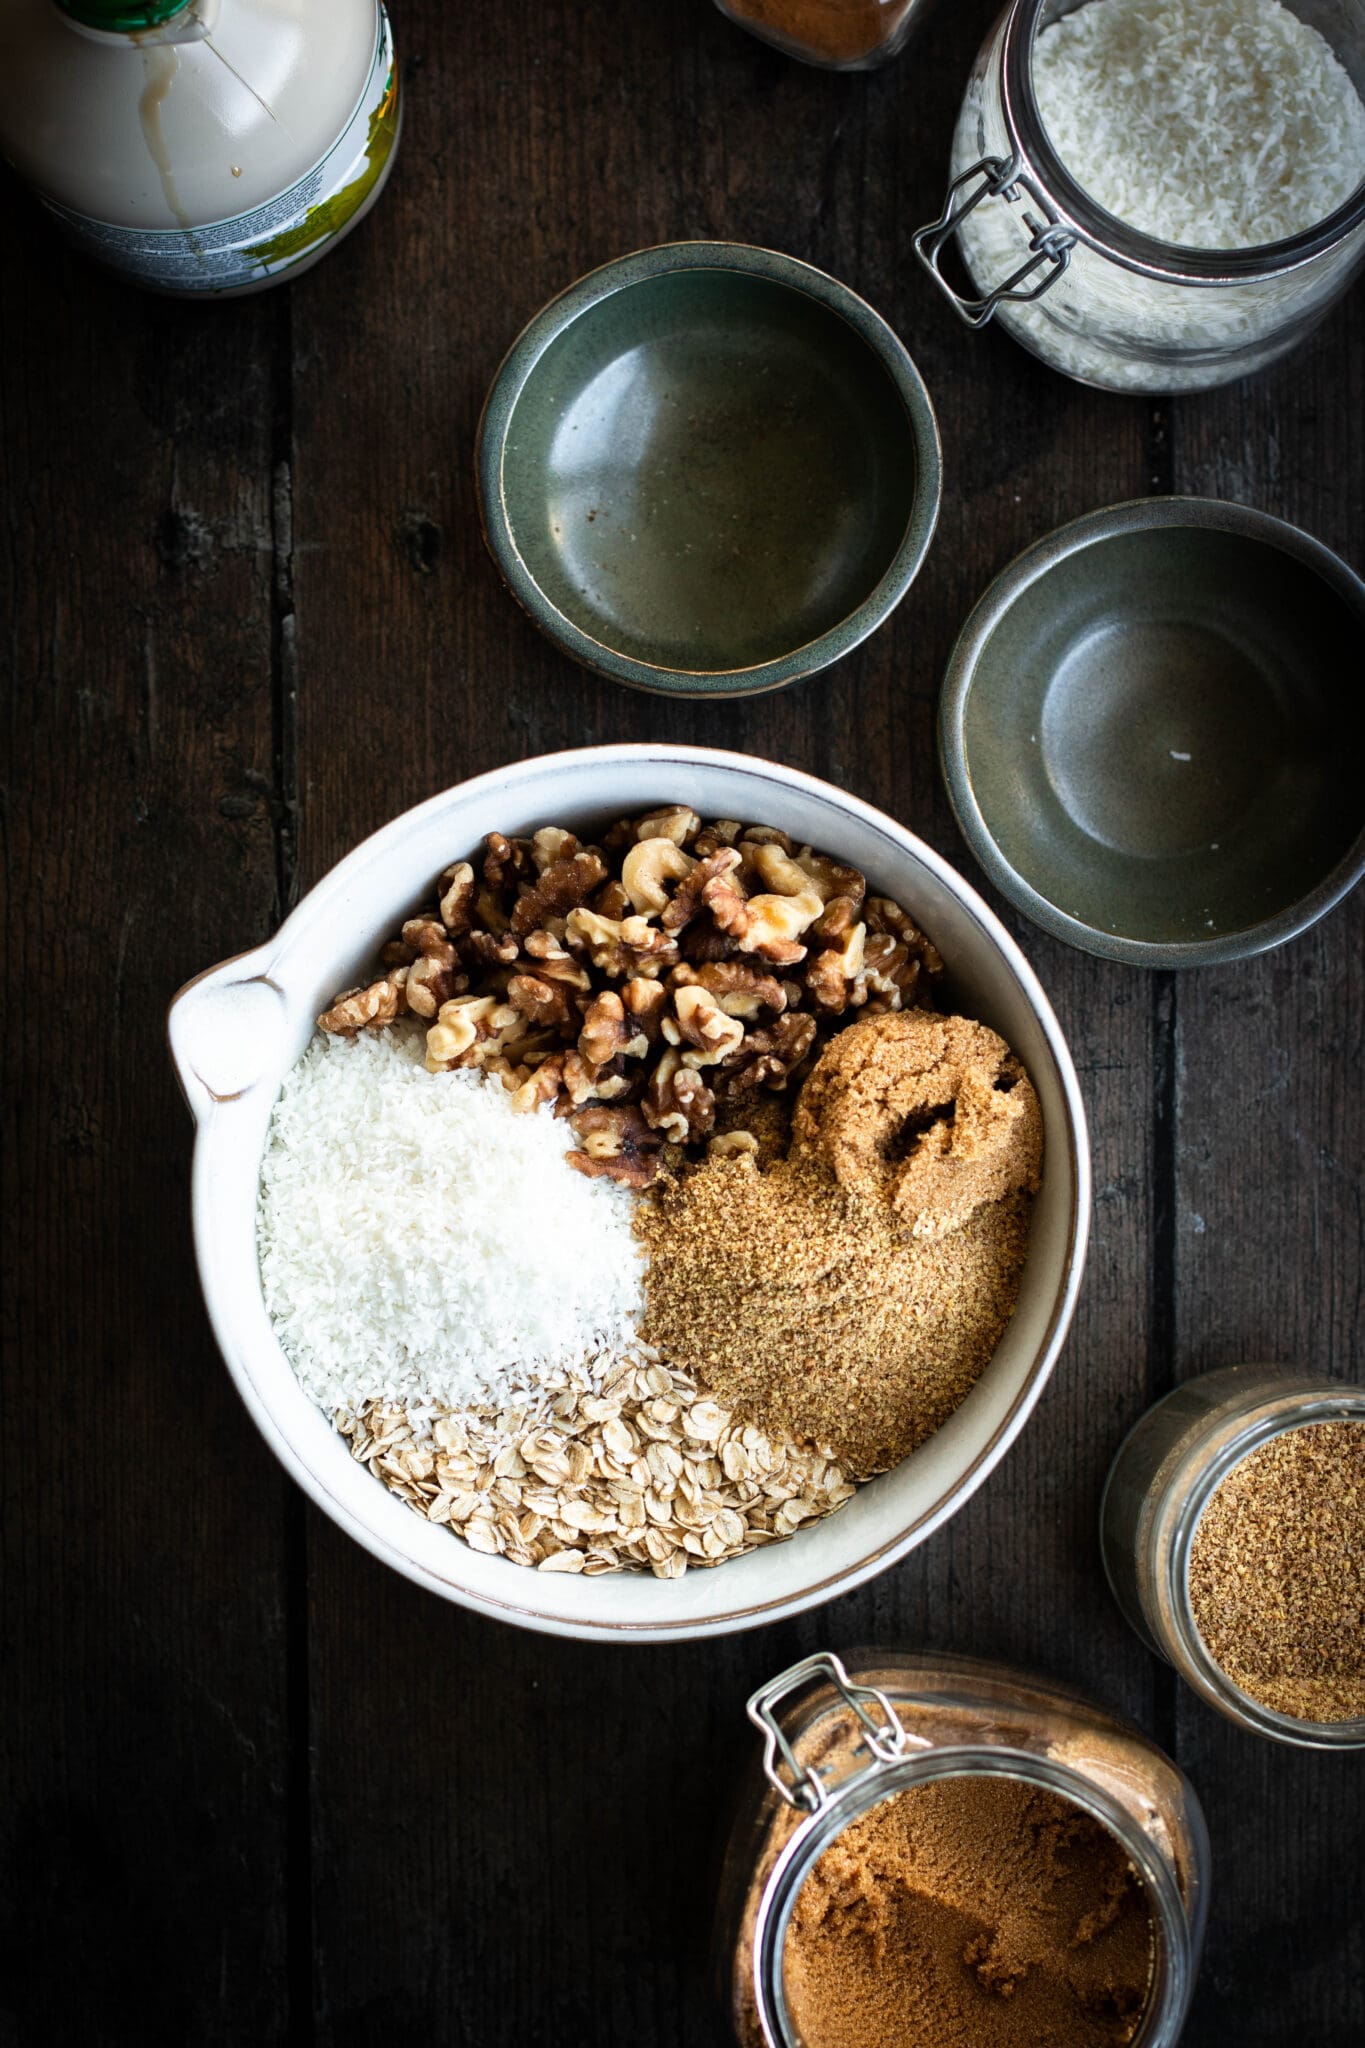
{"type": "Point", "coordinates": [1151, 731]}
{"type": "Point", "coordinates": [708, 470]}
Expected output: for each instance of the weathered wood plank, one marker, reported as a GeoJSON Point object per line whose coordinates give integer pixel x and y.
{"type": "Point", "coordinates": [141, 1839]}
{"type": "Point", "coordinates": [1270, 1252]}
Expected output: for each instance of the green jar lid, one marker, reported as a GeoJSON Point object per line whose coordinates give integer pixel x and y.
{"type": "Point", "coordinates": [116, 15]}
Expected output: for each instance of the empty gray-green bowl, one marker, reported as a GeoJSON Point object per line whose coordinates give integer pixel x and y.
{"type": "Point", "coordinates": [707, 469]}
{"type": "Point", "coordinates": [1151, 731]}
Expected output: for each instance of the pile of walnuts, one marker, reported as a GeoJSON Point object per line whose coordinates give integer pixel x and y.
{"type": "Point", "coordinates": [645, 985]}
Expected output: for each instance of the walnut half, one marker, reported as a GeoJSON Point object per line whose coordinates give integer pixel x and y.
{"type": "Point", "coordinates": [363, 1009]}
{"type": "Point", "coordinates": [617, 1144]}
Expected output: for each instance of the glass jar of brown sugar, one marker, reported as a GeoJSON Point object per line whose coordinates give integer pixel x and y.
{"type": "Point", "coordinates": [842, 35]}
{"type": "Point", "coordinates": [1233, 1534]}
{"type": "Point", "coordinates": [937, 1848]}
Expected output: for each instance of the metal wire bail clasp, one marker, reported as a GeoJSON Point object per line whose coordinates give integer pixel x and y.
{"type": "Point", "coordinates": [1050, 244]}
{"type": "Point", "coordinates": [886, 1739]}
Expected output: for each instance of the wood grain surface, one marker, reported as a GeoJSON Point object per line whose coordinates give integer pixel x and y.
{"type": "Point", "coordinates": [256, 1789]}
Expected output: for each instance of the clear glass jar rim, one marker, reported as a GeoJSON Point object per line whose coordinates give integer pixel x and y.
{"type": "Point", "coordinates": [1176, 1932]}
{"type": "Point", "coordinates": [1168, 261]}
{"type": "Point", "coordinates": [1275, 1415]}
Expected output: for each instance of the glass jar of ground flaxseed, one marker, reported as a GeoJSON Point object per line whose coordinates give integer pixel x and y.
{"type": "Point", "coordinates": [937, 1848]}
{"type": "Point", "coordinates": [1233, 1533]}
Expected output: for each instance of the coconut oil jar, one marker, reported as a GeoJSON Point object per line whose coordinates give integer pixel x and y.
{"type": "Point", "coordinates": [203, 148]}
{"type": "Point", "coordinates": [1233, 1533]}
{"type": "Point", "coordinates": [1158, 195]}
{"type": "Point", "coordinates": [937, 1848]}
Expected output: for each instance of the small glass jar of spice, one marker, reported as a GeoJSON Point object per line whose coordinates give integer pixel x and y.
{"type": "Point", "coordinates": [1233, 1534]}
{"type": "Point", "coordinates": [841, 35]}
{"type": "Point", "coordinates": [941, 1849]}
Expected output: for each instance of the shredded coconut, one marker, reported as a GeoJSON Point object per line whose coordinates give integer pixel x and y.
{"type": "Point", "coordinates": [422, 1242]}
{"type": "Point", "coordinates": [1204, 123]}
{"type": "Point", "coordinates": [1215, 124]}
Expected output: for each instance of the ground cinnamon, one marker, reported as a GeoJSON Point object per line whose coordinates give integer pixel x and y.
{"type": "Point", "coordinates": [829, 31]}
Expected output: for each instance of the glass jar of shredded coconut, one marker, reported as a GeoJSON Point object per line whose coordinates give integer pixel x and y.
{"type": "Point", "coordinates": [940, 1848]}
{"type": "Point", "coordinates": [1159, 195]}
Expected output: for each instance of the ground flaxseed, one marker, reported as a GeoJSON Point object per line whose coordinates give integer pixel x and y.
{"type": "Point", "coordinates": [1277, 1573]}
{"type": "Point", "coordinates": [837, 1294]}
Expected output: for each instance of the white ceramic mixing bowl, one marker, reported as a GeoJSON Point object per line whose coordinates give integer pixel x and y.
{"type": "Point", "coordinates": [237, 1030]}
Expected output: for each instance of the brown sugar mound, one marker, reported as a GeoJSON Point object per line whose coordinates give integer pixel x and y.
{"type": "Point", "coordinates": [973, 1912]}
{"type": "Point", "coordinates": [810, 1306]}
{"type": "Point", "coordinates": [931, 1115]}
{"type": "Point", "coordinates": [1277, 1573]}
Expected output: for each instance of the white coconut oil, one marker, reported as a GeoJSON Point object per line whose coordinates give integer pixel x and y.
{"type": "Point", "coordinates": [200, 147]}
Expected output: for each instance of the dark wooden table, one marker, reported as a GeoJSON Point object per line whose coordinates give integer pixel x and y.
{"type": "Point", "coordinates": [257, 1789]}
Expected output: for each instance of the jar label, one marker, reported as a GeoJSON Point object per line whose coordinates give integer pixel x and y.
{"type": "Point", "coordinates": [252, 248]}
